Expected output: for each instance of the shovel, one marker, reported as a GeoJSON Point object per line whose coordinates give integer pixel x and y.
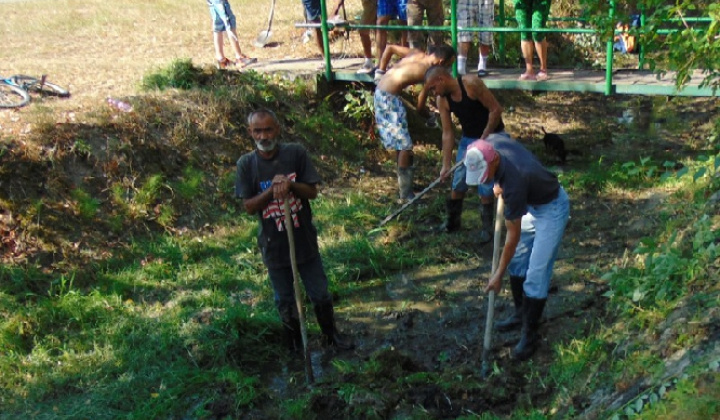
{"type": "Point", "coordinates": [491, 298]}
{"type": "Point", "coordinates": [296, 285]}
{"type": "Point", "coordinates": [418, 195]}
{"type": "Point", "coordinates": [264, 36]}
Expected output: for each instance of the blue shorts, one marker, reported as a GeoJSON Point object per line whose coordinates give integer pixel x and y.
{"type": "Point", "coordinates": [458, 184]}
{"type": "Point", "coordinates": [391, 120]}
{"type": "Point", "coordinates": [312, 10]}
{"type": "Point", "coordinates": [392, 8]}
{"type": "Point", "coordinates": [220, 11]}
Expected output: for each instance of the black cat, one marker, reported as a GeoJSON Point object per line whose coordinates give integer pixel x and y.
{"type": "Point", "coordinates": [555, 144]}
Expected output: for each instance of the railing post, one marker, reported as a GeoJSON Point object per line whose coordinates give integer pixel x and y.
{"type": "Point", "coordinates": [641, 58]}
{"type": "Point", "coordinates": [453, 32]}
{"type": "Point", "coordinates": [609, 64]}
{"type": "Point", "coordinates": [326, 40]}
{"type": "Point", "coordinates": [501, 35]}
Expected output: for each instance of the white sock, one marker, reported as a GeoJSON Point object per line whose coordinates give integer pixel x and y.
{"type": "Point", "coordinates": [368, 62]}
{"type": "Point", "coordinates": [482, 60]}
{"type": "Point", "coordinates": [461, 60]}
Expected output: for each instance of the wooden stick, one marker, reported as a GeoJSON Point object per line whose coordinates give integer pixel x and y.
{"type": "Point", "coordinates": [487, 342]}
{"type": "Point", "coordinates": [296, 285]}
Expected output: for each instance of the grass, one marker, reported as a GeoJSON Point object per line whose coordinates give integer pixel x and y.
{"type": "Point", "coordinates": [138, 292]}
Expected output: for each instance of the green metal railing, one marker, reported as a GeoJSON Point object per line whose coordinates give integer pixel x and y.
{"type": "Point", "coordinates": [502, 30]}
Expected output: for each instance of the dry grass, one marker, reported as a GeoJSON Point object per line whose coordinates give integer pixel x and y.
{"type": "Point", "coordinates": [100, 48]}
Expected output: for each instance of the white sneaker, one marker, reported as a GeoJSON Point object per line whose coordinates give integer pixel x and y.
{"type": "Point", "coordinates": [367, 67]}
{"type": "Point", "coordinates": [336, 20]}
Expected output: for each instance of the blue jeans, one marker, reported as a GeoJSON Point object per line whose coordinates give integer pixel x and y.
{"type": "Point", "coordinates": [549, 221]}
{"type": "Point", "coordinates": [313, 278]}
{"type": "Point", "coordinates": [519, 263]}
{"type": "Point", "coordinates": [458, 184]}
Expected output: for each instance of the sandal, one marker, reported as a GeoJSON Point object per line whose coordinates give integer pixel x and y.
{"type": "Point", "coordinates": [223, 63]}
{"type": "Point", "coordinates": [541, 76]}
{"type": "Point", "coordinates": [245, 61]}
{"type": "Point", "coordinates": [528, 77]}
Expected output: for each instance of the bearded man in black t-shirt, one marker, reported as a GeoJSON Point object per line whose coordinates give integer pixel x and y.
{"type": "Point", "coordinates": [266, 177]}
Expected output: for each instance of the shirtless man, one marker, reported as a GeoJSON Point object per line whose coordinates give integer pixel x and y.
{"type": "Point", "coordinates": [390, 113]}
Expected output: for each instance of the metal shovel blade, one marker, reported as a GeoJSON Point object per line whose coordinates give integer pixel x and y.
{"type": "Point", "coordinates": [262, 39]}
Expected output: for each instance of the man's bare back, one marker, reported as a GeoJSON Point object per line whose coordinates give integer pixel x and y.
{"type": "Point", "coordinates": [408, 71]}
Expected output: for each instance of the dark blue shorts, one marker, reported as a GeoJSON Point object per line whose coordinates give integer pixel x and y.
{"type": "Point", "coordinates": [312, 10]}
{"type": "Point", "coordinates": [393, 8]}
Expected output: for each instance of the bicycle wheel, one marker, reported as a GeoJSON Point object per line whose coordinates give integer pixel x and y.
{"type": "Point", "coordinates": [47, 88]}
{"type": "Point", "coordinates": [12, 96]}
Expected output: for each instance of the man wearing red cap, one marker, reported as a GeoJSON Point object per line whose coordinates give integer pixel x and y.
{"type": "Point", "coordinates": [527, 188]}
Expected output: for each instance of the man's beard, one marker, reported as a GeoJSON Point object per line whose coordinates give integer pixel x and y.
{"type": "Point", "coordinates": [268, 146]}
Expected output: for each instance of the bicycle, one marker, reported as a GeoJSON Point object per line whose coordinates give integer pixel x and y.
{"type": "Point", "coordinates": [15, 90]}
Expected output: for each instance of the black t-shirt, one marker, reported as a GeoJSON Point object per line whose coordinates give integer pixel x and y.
{"type": "Point", "coordinates": [255, 175]}
{"type": "Point", "coordinates": [523, 178]}
{"type": "Point", "coordinates": [472, 114]}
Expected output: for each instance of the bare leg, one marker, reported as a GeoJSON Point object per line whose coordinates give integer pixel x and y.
{"type": "Point", "coordinates": [528, 51]}
{"type": "Point", "coordinates": [218, 42]}
{"type": "Point", "coordinates": [319, 41]}
{"type": "Point", "coordinates": [404, 35]}
{"type": "Point", "coordinates": [405, 158]}
{"type": "Point", "coordinates": [366, 44]}
{"type": "Point", "coordinates": [236, 45]}
{"type": "Point", "coordinates": [541, 48]}
{"type": "Point", "coordinates": [381, 36]}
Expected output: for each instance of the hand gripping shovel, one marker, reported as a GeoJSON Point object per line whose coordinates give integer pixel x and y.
{"type": "Point", "coordinates": [264, 36]}
{"type": "Point", "coordinates": [487, 342]}
{"type": "Point", "coordinates": [296, 285]}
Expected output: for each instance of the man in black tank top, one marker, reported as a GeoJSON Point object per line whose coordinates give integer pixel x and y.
{"type": "Point", "coordinates": [480, 115]}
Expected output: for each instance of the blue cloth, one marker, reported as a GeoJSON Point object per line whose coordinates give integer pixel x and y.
{"type": "Point", "coordinates": [393, 8]}
{"type": "Point", "coordinates": [312, 10]}
{"type": "Point", "coordinates": [549, 222]}
{"type": "Point", "coordinates": [220, 11]}
{"type": "Point", "coordinates": [391, 121]}
{"type": "Point", "coordinates": [520, 260]}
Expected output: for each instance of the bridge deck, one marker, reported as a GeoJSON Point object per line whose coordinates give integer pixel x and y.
{"type": "Point", "coordinates": [624, 81]}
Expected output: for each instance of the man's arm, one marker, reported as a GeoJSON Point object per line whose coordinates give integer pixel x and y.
{"type": "Point", "coordinates": [448, 135]}
{"type": "Point", "coordinates": [511, 241]}
{"type": "Point", "coordinates": [390, 51]}
{"type": "Point", "coordinates": [477, 90]}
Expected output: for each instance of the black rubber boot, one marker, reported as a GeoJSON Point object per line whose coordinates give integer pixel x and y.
{"type": "Point", "coordinates": [532, 311]}
{"type": "Point", "coordinates": [486, 214]}
{"type": "Point", "coordinates": [291, 328]}
{"type": "Point", "coordinates": [514, 321]}
{"type": "Point", "coordinates": [405, 182]}
{"type": "Point", "coordinates": [326, 318]}
{"type": "Point", "coordinates": [454, 215]}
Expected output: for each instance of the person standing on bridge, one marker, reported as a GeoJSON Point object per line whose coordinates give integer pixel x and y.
{"type": "Point", "coordinates": [533, 14]}
{"type": "Point", "coordinates": [223, 20]}
{"type": "Point", "coordinates": [527, 188]}
{"type": "Point", "coordinates": [475, 13]}
{"type": "Point", "coordinates": [480, 115]}
{"type": "Point", "coordinates": [390, 113]}
{"type": "Point", "coordinates": [267, 176]}
{"type": "Point", "coordinates": [416, 11]}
